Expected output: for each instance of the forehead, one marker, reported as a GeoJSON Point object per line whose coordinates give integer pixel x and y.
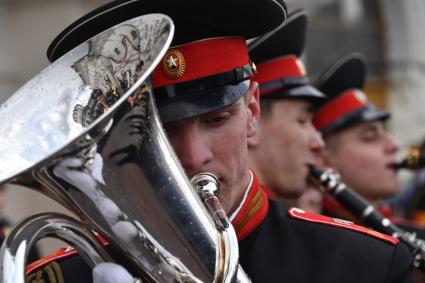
{"type": "Point", "coordinates": [292, 105]}
{"type": "Point", "coordinates": [353, 133]}
{"type": "Point", "coordinates": [378, 125]}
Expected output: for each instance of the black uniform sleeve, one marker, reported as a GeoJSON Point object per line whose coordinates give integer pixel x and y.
{"type": "Point", "coordinates": [400, 270]}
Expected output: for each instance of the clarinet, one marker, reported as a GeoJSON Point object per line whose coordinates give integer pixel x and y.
{"type": "Point", "coordinates": [329, 182]}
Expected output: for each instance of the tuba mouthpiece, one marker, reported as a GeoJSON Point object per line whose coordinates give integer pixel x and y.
{"type": "Point", "coordinates": [208, 187]}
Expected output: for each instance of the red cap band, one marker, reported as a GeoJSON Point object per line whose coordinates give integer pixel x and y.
{"type": "Point", "coordinates": [200, 59]}
{"type": "Point", "coordinates": [345, 103]}
{"type": "Point", "coordinates": [281, 67]}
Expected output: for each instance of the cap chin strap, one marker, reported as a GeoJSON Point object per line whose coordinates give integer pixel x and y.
{"type": "Point", "coordinates": [282, 83]}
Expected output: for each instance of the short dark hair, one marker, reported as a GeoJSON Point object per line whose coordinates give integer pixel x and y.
{"type": "Point", "coordinates": [266, 107]}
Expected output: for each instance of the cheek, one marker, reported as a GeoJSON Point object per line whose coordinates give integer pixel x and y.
{"type": "Point", "coordinates": [239, 148]}
{"type": "Point", "coordinates": [288, 147]}
{"type": "Point", "coordinates": [231, 148]}
{"type": "Point", "coordinates": [294, 142]}
{"type": "Point", "coordinates": [365, 157]}
{"type": "Point", "coordinates": [360, 164]}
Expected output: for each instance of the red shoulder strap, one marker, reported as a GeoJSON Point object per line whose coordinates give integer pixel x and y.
{"type": "Point", "coordinates": [59, 254]}
{"type": "Point", "coordinates": [317, 218]}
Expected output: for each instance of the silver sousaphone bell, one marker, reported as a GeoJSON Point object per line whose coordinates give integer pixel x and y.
{"type": "Point", "coordinates": [86, 133]}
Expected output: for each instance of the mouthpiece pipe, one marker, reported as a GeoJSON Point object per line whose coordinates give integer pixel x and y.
{"type": "Point", "coordinates": [415, 159]}
{"type": "Point", "coordinates": [208, 186]}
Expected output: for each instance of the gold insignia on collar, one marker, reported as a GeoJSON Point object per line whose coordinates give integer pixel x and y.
{"type": "Point", "coordinates": [174, 64]}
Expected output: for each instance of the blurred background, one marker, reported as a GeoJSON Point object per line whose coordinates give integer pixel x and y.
{"type": "Point", "coordinates": [388, 32]}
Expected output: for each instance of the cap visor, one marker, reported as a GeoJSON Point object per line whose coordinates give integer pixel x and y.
{"type": "Point", "coordinates": [304, 92]}
{"type": "Point", "coordinates": [184, 106]}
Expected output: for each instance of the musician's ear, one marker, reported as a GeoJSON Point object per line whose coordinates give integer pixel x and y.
{"type": "Point", "coordinates": [253, 108]}
{"type": "Point", "coordinates": [330, 151]}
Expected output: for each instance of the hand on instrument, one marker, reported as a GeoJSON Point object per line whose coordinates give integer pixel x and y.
{"type": "Point", "coordinates": [109, 272]}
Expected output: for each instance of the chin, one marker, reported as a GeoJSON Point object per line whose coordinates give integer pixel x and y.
{"type": "Point", "coordinates": [389, 192]}
{"type": "Point", "coordinates": [291, 191]}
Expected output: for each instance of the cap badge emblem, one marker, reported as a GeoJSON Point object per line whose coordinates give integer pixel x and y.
{"type": "Point", "coordinates": [173, 64]}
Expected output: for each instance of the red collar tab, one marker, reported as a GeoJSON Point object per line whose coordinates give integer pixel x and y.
{"type": "Point", "coordinates": [200, 59]}
{"type": "Point", "coordinates": [288, 66]}
{"type": "Point", "coordinates": [253, 210]}
{"type": "Point", "coordinates": [349, 101]}
{"type": "Point", "coordinates": [321, 219]}
{"type": "Point", "coordinates": [272, 195]}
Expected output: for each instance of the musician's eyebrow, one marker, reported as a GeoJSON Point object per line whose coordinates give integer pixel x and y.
{"type": "Point", "coordinates": [370, 127]}
{"type": "Point", "coordinates": [309, 108]}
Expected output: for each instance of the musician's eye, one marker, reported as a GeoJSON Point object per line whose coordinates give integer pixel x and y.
{"type": "Point", "coordinates": [304, 118]}
{"type": "Point", "coordinates": [218, 118]}
{"type": "Point", "coordinates": [370, 135]}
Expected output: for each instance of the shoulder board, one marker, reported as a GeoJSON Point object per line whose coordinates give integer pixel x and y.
{"type": "Point", "coordinates": [50, 273]}
{"type": "Point", "coordinates": [58, 255]}
{"type": "Point", "coordinates": [336, 222]}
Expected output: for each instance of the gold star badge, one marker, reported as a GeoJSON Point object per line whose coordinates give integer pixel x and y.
{"type": "Point", "coordinates": [173, 64]}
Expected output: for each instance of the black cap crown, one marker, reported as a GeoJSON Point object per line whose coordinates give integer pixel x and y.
{"type": "Point", "coordinates": [280, 72]}
{"type": "Point", "coordinates": [194, 20]}
{"type": "Point", "coordinates": [348, 72]}
{"type": "Point", "coordinates": [208, 66]}
{"type": "Point", "coordinates": [287, 39]}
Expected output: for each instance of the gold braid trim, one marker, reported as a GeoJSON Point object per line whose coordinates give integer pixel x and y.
{"type": "Point", "coordinates": [35, 277]}
{"type": "Point", "coordinates": [256, 204]}
{"type": "Point", "coordinates": [53, 271]}
{"type": "Point", "coordinates": [50, 273]}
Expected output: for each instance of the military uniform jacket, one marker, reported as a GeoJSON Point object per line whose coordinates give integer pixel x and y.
{"type": "Point", "coordinates": [283, 249]}
{"type": "Point", "coordinates": [281, 245]}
